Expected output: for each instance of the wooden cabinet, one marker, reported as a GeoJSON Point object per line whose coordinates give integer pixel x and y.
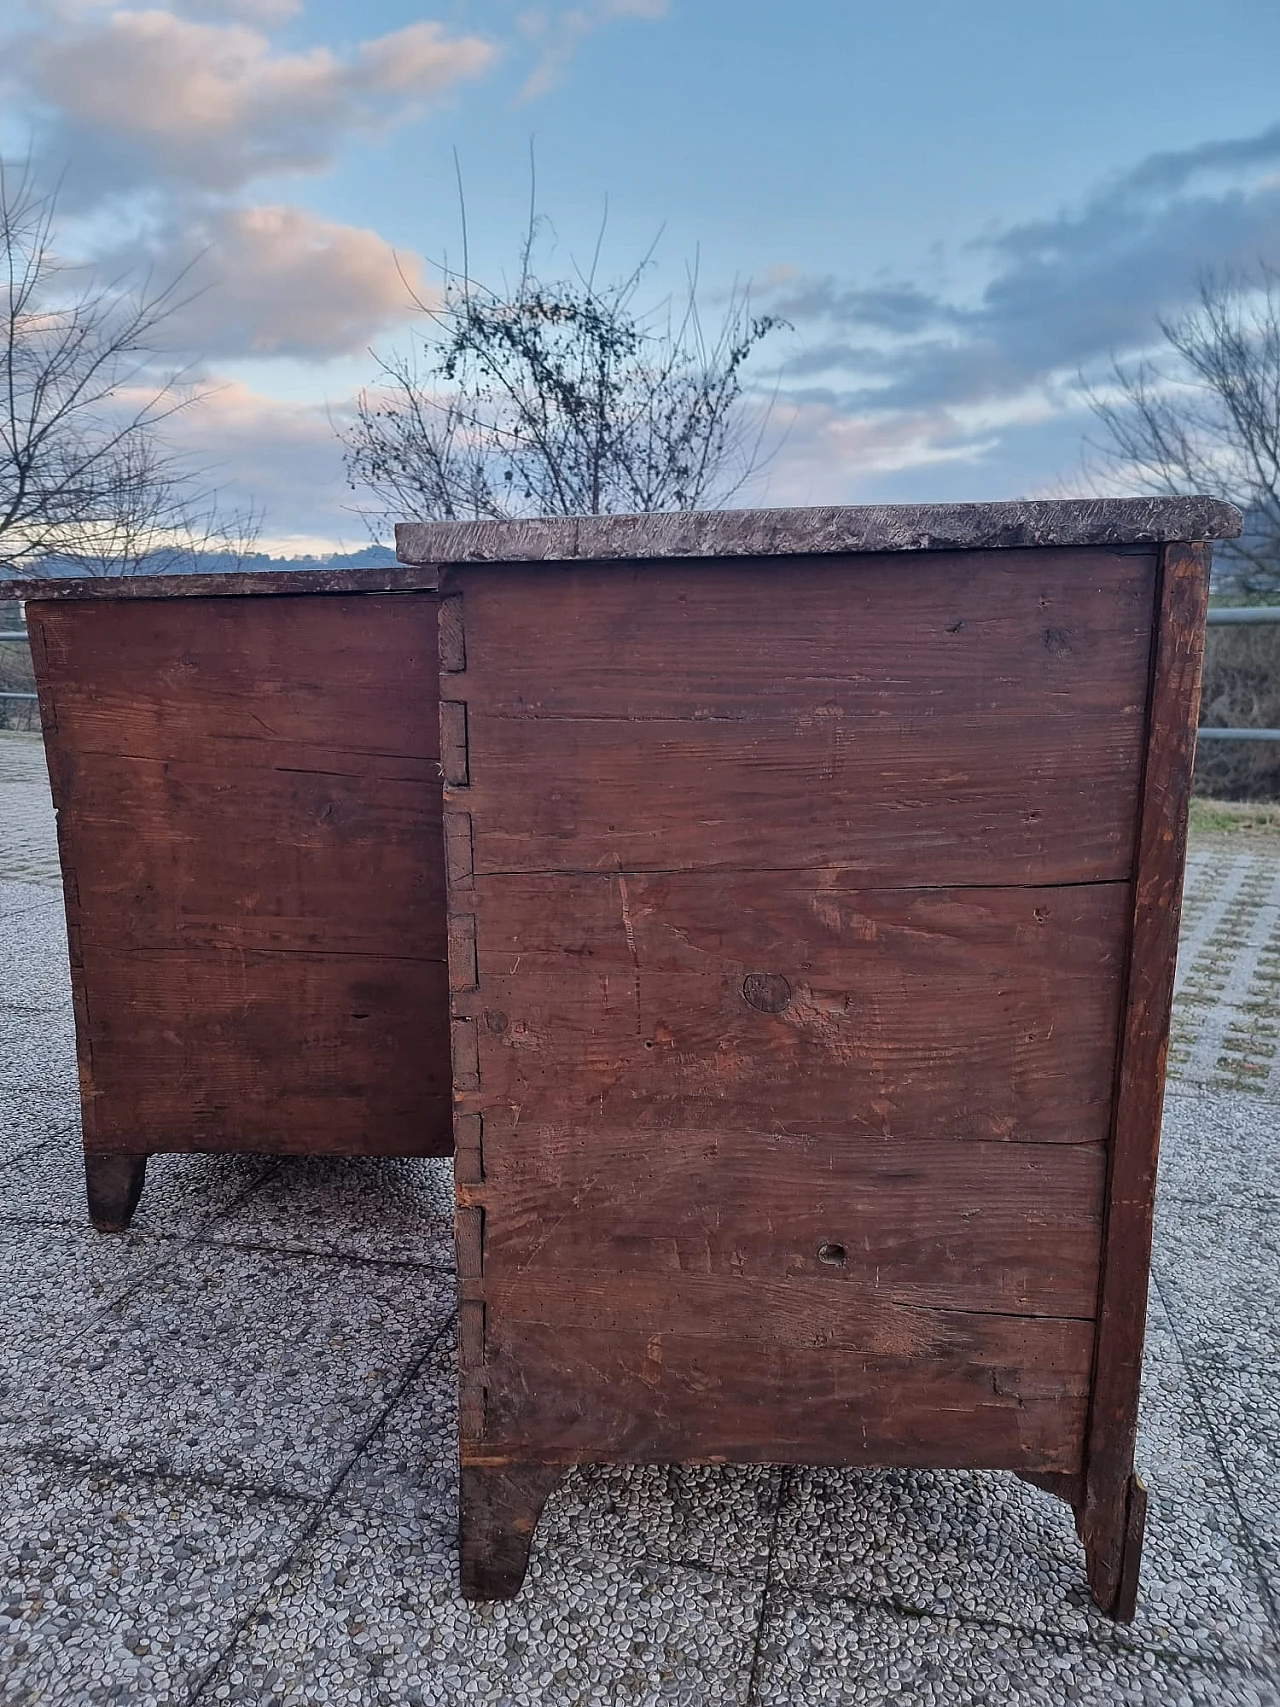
{"type": "Point", "coordinates": [246, 773]}
{"type": "Point", "coordinates": [813, 885]}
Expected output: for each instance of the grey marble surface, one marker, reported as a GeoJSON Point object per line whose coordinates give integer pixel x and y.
{"type": "Point", "coordinates": [770, 533]}
{"type": "Point", "coordinates": [228, 1438]}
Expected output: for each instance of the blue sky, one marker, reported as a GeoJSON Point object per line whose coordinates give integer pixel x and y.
{"type": "Point", "coordinates": [960, 207]}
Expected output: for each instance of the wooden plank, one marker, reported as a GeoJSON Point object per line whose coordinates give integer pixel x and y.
{"type": "Point", "coordinates": [304, 859]}
{"type": "Point", "coordinates": [988, 729]}
{"type": "Point", "coordinates": [760, 642]}
{"type": "Point", "coordinates": [901, 1387]}
{"type": "Point", "coordinates": [970, 805]}
{"type": "Point", "coordinates": [1012, 1228]}
{"type": "Point", "coordinates": [244, 1050]}
{"type": "Point", "coordinates": [258, 583]}
{"type": "Point", "coordinates": [342, 684]}
{"type": "Point", "coordinates": [703, 535]}
{"type": "Point", "coordinates": [1139, 1095]}
{"type": "Point", "coordinates": [628, 1000]}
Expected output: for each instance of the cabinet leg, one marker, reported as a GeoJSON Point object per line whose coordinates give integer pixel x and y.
{"type": "Point", "coordinates": [1112, 1531]}
{"type": "Point", "coordinates": [114, 1185]}
{"type": "Point", "coordinates": [498, 1510]}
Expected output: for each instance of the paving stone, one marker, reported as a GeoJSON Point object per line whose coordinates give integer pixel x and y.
{"type": "Point", "coordinates": [22, 897]}
{"type": "Point", "coordinates": [714, 1516]}
{"type": "Point", "coordinates": [1220, 1149]}
{"type": "Point", "coordinates": [1218, 1267]}
{"type": "Point", "coordinates": [28, 830]}
{"type": "Point", "coordinates": [837, 1654]}
{"type": "Point", "coordinates": [409, 1470]}
{"type": "Point", "coordinates": [1244, 1408]}
{"type": "Point", "coordinates": [30, 1119]}
{"type": "Point", "coordinates": [370, 1613]}
{"type": "Point", "coordinates": [57, 1282]}
{"type": "Point", "coordinates": [396, 1209]}
{"type": "Point", "coordinates": [37, 1051]}
{"type": "Point", "coordinates": [252, 1367]}
{"type": "Point", "coordinates": [1226, 1019]}
{"type": "Point", "coordinates": [183, 1194]}
{"type": "Point", "coordinates": [34, 971]}
{"type": "Point", "coordinates": [119, 1586]}
{"type": "Point", "coordinates": [1161, 1339]}
{"type": "Point", "coordinates": [987, 1547]}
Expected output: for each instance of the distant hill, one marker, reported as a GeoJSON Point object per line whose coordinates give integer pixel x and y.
{"type": "Point", "coordinates": [221, 562]}
{"type": "Point", "coordinates": [371, 557]}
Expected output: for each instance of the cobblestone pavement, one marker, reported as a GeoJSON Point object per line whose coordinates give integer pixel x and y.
{"type": "Point", "coordinates": [227, 1434]}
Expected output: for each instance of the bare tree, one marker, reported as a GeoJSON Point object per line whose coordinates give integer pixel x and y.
{"type": "Point", "coordinates": [84, 478]}
{"type": "Point", "coordinates": [558, 398]}
{"type": "Point", "coordinates": [1206, 416]}
{"type": "Point", "coordinates": [154, 517]}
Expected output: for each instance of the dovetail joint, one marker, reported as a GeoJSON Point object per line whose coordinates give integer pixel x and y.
{"type": "Point", "coordinates": [454, 765]}
{"type": "Point", "coordinates": [468, 1149]}
{"type": "Point", "coordinates": [463, 967]}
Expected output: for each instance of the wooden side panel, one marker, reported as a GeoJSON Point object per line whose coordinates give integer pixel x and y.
{"type": "Point", "coordinates": [796, 1002]}
{"type": "Point", "coordinates": [788, 917]}
{"type": "Point", "coordinates": [1166, 790]}
{"type": "Point", "coordinates": [978, 720]}
{"type": "Point", "coordinates": [249, 811]}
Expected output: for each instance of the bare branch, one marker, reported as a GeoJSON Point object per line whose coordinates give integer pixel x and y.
{"type": "Point", "coordinates": [1206, 416]}
{"type": "Point", "coordinates": [558, 398]}
{"type": "Point", "coordinates": [84, 479]}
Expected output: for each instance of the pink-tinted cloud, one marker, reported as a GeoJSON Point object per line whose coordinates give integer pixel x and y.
{"type": "Point", "coordinates": [151, 97]}
{"type": "Point", "coordinates": [281, 281]}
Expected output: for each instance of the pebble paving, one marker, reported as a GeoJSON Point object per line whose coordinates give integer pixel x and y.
{"type": "Point", "coordinates": [227, 1435]}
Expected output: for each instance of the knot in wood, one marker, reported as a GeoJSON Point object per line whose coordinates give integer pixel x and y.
{"type": "Point", "coordinates": [768, 991]}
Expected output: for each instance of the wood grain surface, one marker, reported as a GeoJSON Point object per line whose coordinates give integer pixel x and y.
{"type": "Point", "coordinates": [719, 1373]}
{"type": "Point", "coordinates": [248, 798]}
{"type": "Point", "coordinates": [231, 584]}
{"type": "Point", "coordinates": [949, 1224]}
{"type": "Point", "coordinates": [1113, 1511]}
{"type": "Point", "coordinates": [982, 723]}
{"type": "Point", "coordinates": [705, 535]}
{"type": "Point", "coordinates": [796, 1002]}
{"type": "Point", "coordinates": [789, 908]}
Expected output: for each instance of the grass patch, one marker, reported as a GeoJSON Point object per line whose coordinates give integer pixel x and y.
{"type": "Point", "coordinates": [1225, 817]}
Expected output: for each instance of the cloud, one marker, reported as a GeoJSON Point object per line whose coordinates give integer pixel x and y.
{"type": "Point", "coordinates": [266, 12]}
{"type": "Point", "coordinates": [1060, 294]}
{"type": "Point", "coordinates": [559, 34]}
{"type": "Point", "coordinates": [285, 456]}
{"type": "Point", "coordinates": [974, 384]}
{"type": "Point", "coordinates": [278, 281]}
{"type": "Point", "coordinates": [141, 98]}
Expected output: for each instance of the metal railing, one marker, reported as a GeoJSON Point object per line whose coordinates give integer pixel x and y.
{"type": "Point", "coordinates": [1228, 616]}
{"type": "Point", "coordinates": [16, 634]}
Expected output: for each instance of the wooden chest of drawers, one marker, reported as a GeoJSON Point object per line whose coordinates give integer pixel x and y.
{"type": "Point", "coordinates": [246, 772]}
{"type": "Point", "coordinates": [813, 884]}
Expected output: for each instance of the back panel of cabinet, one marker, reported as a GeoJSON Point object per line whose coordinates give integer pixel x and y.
{"type": "Point", "coordinates": [789, 923]}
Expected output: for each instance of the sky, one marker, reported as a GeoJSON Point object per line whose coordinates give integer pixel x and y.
{"type": "Point", "coordinates": [966, 212]}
